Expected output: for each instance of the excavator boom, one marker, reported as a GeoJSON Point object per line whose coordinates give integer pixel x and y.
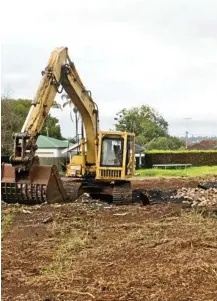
{"type": "Point", "coordinates": [106, 159]}
{"type": "Point", "coordinates": [25, 181]}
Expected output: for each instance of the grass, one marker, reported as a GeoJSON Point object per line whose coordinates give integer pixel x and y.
{"type": "Point", "coordinates": [188, 172]}
{"type": "Point", "coordinates": [7, 218]}
{"type": "Point", "coordinates": [64, 255]}
{"type": "Point", "coordinates": [5, 223]}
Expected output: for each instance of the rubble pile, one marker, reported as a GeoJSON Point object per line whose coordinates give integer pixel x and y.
{"type": "Point", "coordinates": [85, 198]}
{"type": "Point", "coordinates": [197, 197]}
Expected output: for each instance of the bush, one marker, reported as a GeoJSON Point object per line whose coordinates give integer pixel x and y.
{"type": "Point", "coordinates": [165, 143]}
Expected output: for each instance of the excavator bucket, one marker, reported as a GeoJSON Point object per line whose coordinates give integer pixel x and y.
{"type": "Point", "coordinates": [43, 184]}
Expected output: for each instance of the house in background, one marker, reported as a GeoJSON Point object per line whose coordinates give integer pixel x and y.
{"type": "Point", "coordinates": [50, 151]}
{"type": "Point", "coordinates": [204, 145]}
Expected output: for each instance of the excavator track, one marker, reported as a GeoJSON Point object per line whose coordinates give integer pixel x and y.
{"type": "Point", "coordinates": [72, 189]}
{"type": "Point", "coordinates": [122, 194]}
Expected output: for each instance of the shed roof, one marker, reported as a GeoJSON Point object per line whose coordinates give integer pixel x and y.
{"type": "Point", "coordinates": [138, 148]}
{"type": "Point", "coordinates": [49, 142]}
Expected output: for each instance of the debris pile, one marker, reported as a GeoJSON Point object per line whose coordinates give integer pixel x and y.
{"type": "Point", "coordinates": [197, 197]}
{"type": "Point", "coordinates": [85, 198]}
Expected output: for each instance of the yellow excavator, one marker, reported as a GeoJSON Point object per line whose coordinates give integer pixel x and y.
{"type": "Point", "coordinates": [102, 168]}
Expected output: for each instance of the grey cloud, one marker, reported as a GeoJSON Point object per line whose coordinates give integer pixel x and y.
{"type": "Point", "coordinates": [197, 127]}
{"type": "Point", "coordinates": [161, 53]}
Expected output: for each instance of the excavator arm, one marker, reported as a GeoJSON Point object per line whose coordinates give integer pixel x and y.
{"type": "Point", "coordinates": [25, 179]}
{"type": "Point", "coordinates": [52, 77]}
{"type": "Point", "coordinates": [104, 168]}
{"type": "Point", "coordinates": [25, 146]}
{"type": "Point", "coordinates": [60, 71]}
{"type": "Point", "coordinates": [87, 108]}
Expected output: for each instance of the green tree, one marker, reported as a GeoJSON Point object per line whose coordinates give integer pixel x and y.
{"type": "Point", "coordinates": [72, 108]}
{"type": "Point", "coordinates": [13, 115]}
{"type": "Point", "coordinates": [165, 143]}
{"type": "Point", "coordinates": [10, 123]}
{"type": "Point", "coordinates": [144, 121]}
{"type": "Point", "coordinates": [51, 128]}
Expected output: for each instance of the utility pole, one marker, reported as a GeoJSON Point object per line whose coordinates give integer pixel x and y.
{"type": "Point", "coordinates": [75, 110]}
{"type": "Point", "coordinates": [186, 139]}
{"type": "Point", "coordinates": [186, 133]}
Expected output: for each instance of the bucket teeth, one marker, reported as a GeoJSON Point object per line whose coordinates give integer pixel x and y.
{"type": "Point", "coordinates": [41, 184]}
{"type": "Point", "coordinates": [23, 193]}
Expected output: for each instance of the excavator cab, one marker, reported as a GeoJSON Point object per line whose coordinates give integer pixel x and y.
{"type": "Point", "coordinates": [116, 156]}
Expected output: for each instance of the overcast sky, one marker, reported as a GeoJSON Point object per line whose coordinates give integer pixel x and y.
{"type": "Point", "coordinates": [160, 52]}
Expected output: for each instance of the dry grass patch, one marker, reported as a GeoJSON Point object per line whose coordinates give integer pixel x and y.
{"type": "Point", "coordinates": [5, 223]}
{"type": "Point", "coordinates": [65, 255]}
{"type": "Point", "coordinates": [138, 257]}
{"type": "Point", "coordinates": [153, 253]}
{"type": "Point", "coordinates": [7, 217]}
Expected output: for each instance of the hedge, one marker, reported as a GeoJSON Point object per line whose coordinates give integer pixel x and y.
{"type": "Point", "coordinates": [198, 158]}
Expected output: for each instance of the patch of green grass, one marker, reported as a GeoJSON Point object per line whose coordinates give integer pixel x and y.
{"type": "Point", "coordinates": [7, 217]}
{"type": "Point", "coordinates": [6, 222]}
{"type": "Point", "coordinates": [188, 172]}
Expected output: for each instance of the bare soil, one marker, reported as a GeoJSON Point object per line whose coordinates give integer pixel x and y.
{"type": "Point", "coordinates": [165, 183]}
{"type": "Point", "coordinates": [97, 252]}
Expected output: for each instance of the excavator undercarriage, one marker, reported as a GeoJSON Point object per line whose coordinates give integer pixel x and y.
{"type": "Point", "coordinates": [44, 185]}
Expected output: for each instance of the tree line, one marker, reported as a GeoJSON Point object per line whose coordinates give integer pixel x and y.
{"type": "Point", "coordinates": [150, 128]}
{"type": "Point", "coordinates": [13, 115]}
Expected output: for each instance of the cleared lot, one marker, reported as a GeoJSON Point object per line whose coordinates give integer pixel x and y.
{"type": "Point", "coordinates": [99, 252]}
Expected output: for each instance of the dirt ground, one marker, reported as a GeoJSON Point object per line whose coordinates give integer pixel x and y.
{"type": "Point", "coordinates": [151, 183]}
{"type": "Point", "coordinates": [68, 252]}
